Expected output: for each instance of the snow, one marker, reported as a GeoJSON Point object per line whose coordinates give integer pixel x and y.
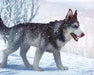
{"type": "Point", "coordinates": [77, 64]}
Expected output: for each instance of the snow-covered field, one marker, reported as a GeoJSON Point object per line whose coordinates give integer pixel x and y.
{"type": "Point", "coordinates": [77, 65]}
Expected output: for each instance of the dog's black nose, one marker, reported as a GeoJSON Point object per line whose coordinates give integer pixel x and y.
{"type": "Point", "coordinates": [82, 34]}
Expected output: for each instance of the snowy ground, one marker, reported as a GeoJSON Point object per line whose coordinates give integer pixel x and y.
{"type": "Point", "coordinates": [77, 65]}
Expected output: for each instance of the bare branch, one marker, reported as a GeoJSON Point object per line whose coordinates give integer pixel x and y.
{"type": "Point", "coordinates": [33, 14]}
{"type": "Point", "coordinates": [33, 11]}
{"type": "Point", "coordinates": [18, 11]}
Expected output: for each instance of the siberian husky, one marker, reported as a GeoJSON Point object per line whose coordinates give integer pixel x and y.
{"type": "Point", "coordinates": [49, 37]}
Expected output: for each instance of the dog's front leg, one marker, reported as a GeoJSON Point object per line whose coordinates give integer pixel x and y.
{"type": "Point", "coordinates": [37, 58]}
{"type": "Point", "coordinates": [58, 61]}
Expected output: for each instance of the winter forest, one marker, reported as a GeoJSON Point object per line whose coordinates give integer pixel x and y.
{"type": "Point", "coordinates": [77, 56]}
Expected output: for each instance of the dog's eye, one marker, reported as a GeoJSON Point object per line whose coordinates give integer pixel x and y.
{"type": "Point", "coordinates": [75, 26]}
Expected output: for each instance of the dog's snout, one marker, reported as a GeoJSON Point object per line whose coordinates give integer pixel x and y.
{"type": "Point", "coordinates": [82, 35]}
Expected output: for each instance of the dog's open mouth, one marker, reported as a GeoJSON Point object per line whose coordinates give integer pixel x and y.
{"type": "Point", "coordinates": [75, 36]}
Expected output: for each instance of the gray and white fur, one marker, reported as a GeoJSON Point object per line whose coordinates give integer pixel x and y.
{"type": "Point", "coordinates": [49, 37]}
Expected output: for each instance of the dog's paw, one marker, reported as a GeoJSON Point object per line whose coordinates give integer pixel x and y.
{"type": "Point", "coordinates": [63, 68]}
{"type": "Point", "coordinates": [2, 66]}
{"type": "Point", "coordinates": [38, 69]}
{"type": "Point", "coordinates": [30, 66]}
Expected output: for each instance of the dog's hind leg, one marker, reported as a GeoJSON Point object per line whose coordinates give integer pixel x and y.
{"type": "Point", "coordinates": [6, 52]}
{"type": "Point", "coordinates": [24, 49]}
{"type": "Point", "coordinates": [58, 61]}
{"type": "Point", "coordinates": [37, 58]}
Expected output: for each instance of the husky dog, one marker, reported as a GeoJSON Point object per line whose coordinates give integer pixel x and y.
{"type": "Point", "coordinates": [50, 37]}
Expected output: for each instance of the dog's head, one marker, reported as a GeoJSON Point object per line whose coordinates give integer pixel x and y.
{"type": "Point", "coordinates": [73, 25]}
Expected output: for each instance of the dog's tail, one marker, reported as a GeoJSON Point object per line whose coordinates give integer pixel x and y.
{"type": "Point", "coordinates": [4, 30]}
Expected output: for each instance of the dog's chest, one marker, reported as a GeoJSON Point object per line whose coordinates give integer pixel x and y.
{"type": "Point", "coordinates": [60, 44]}
{"type": "Point", "coordinates": [51, 48]}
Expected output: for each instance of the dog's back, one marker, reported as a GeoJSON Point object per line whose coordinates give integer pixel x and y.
{"type": "Point", "coordinates": [32, 33]}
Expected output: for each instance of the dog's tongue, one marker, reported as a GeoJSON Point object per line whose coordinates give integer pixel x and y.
{"type": "Point", "coordinates": [74, 36]}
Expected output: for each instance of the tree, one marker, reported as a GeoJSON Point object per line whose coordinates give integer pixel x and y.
{"type": "Point", "coordinates": [14, 12]}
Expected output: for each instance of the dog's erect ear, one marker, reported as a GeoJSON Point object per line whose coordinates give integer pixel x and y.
{"type": "Point", "coordinates": [75, 14]}
{"type": "Point", "coordinates": [69, 15]}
